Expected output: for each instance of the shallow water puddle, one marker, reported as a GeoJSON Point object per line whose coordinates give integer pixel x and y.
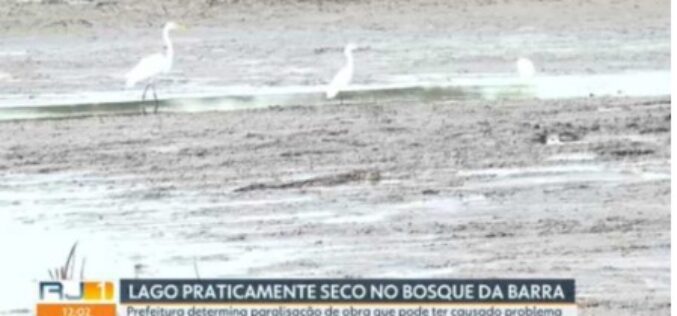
{"type": "Point", "coordinates": [411, 88]}
{"type": "Point", "coordinates": [557, 174]}
{"type": "Point", "coordinates": [120, 233]}
{"type": "Point", "coordinates": [573, 157]}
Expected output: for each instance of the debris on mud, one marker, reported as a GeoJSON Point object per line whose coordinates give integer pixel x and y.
{"type": "Point", "coordinates": [372, 176]}
{"type": "Point", "coordinates": [549, 138]}
{"type": "Point", "coordinates": [560, 133]}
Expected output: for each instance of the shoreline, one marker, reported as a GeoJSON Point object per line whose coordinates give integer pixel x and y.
{"type": "Point", "coordinates": [475, 88]}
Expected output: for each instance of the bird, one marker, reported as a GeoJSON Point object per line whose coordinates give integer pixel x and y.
{"type": "Point", "coordinates": [525, 68]}
{"type": "Point", "coordinates": [150, 67]}
{"type": "Point", "coordinates": [344, 75]}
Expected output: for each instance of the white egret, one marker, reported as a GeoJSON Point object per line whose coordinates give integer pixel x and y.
{"type": "Point", "coordinates": [150, 67]}
{"type": "Point", "coordinates": [344, 76]}
{"type": "Point", "coordinates": [525, 68]}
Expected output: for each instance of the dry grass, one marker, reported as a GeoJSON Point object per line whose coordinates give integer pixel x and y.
{"type": "Point", "coordinates": [67, 271]}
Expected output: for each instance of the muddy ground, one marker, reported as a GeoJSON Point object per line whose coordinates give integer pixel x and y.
{"type": "Point", "coordinates": [577, 188]}
{"type": "Point", "coordinates": [573, 188]}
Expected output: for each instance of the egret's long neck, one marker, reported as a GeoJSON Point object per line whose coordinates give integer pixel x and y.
{"type": "Point", "coordinates": [168, 43]}
{"type": "Point", "coordinates": [349, 59]}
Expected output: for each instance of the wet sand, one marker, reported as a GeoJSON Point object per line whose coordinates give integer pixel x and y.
{"type": "Point", "coordinates": [571, 188]}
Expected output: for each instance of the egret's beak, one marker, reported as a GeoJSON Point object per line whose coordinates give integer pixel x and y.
{"type": "Point", "coordinates": [181, 27]}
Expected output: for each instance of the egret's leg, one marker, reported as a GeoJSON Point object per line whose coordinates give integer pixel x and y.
{"type": "Point", "coordinates": [143, 98]}
{"type": "Point", "coordinates": [157, 103]}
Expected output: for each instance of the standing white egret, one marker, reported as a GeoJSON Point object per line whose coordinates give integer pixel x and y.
{"type": "Point", "coordinates": [150, 67]}
{"type": "Point", "coordinates": [525, 68]}
{"type": "Point", "coordinates": [344, 76]}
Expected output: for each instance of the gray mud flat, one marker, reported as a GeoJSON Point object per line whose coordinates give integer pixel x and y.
{"type": "Point", "coordinates": [570, 188]}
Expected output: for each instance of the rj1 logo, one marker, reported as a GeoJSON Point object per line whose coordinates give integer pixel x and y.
{"type": "Point", "coordinates": [76, 291]}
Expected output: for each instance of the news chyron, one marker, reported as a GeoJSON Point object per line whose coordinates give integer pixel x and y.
{"type": "Point", "coordinates": [312, 297]}
{"type": "Point", "coordinates": [75, 298]}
